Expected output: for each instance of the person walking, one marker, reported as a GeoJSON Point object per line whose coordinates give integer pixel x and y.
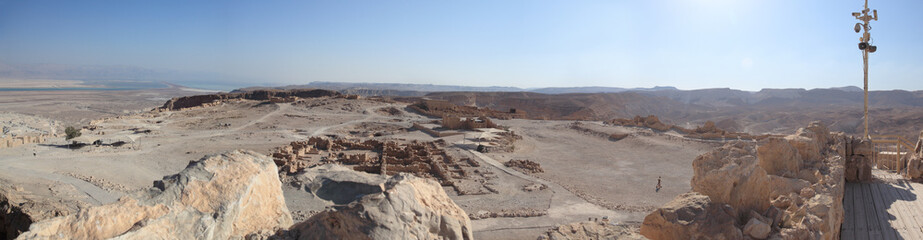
{"type": "Point", "coordinates": [658, 185]}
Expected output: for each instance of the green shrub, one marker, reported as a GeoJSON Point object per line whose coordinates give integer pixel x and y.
{"type": "Point", "coordinates": [71, 133]}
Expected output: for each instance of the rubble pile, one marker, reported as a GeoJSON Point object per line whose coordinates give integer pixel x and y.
{"type": "Point", "coordinates": [525, 166]}
{"type": "Point", "coordinates": [790, 187]}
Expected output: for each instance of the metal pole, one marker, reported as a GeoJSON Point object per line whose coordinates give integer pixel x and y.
{"type": "Point", "coordinates": [865, 77]}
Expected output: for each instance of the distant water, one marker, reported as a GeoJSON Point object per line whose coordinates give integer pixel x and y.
{"type": "Point", "coordinates": [65, 89]}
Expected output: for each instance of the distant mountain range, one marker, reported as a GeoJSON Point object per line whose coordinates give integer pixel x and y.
{"type": "Point", "coordinates": [687, 96]}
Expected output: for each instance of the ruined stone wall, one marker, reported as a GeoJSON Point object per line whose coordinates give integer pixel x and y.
{"type": "Point", "coordinates": [10, 141]}
{"type": "Point", "coordinates": [423, 159]}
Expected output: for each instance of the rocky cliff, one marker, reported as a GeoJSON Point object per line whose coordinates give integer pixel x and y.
{"type": "Point", "coordinates": [790, 187]}
{"type": "Point", "coordinates": [231, 195]}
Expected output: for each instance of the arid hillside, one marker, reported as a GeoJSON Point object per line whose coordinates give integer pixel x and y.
{"type": "Point", "coordinates": [767, 111]}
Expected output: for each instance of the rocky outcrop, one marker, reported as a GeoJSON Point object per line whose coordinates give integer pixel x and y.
{"type": "Point", "coordinates": [231, 195]}
{"type": "Point", "coordinates": [367, 206]}
{"type": "Point", "coordinates": [790, 187]}
{"type": "Point", "coordinates": [259, 95]}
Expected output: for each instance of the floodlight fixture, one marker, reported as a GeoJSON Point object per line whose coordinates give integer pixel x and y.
{"type": "Point", "coordinates": [866, 48]}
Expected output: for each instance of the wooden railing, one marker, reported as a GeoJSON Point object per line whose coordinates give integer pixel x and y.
{"type": "Point", "coordinates": [889, 152]}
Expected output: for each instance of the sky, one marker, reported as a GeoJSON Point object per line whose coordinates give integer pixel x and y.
{"type": "Point", "coordinates": [688, 44]}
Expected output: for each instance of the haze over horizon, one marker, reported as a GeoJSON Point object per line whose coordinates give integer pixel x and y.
{"type": "Point", "coordinates": [688, 44]}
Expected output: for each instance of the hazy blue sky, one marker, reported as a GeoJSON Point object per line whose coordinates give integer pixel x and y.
{"type": "Point", "coordinates": [689, 44]}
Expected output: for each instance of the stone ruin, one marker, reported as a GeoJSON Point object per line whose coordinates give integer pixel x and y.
{"type": "Point", "coordinates": [706, 131]}
{"type": "Point", "coordinates": [788, 187]}
{"type": "Point", "coordinates": [469, 123]}
{"type": "Point", "coordinates": [422, 159]}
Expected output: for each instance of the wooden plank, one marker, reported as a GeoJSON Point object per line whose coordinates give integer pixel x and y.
{"type": "Point", "coordinates": [906, 221]}
{"type": "Point", "coordinates": [911, 214]}
{"type": "Point", "coordinates": [848, 229]}
{"type": "Point", "coordinates": [861, 229]}
{"type": "Point", "coordinates": [885, 209]}
{"type": "Point", "coordinates": [871, 214]}
{"type": "Point", "coordinates": [916, 205]}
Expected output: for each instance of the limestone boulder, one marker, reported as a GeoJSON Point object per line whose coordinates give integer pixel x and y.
{"type": "Point", "coordinates": [230, 195]}
{"type": "Point", "coordinates": [757, 229]}
{"type": "Point", "coordinates": [692, 216]}
{"type": "Point", "coordinates": [367, 206]}
{"type": "Point", "coordinates": [731, 175]}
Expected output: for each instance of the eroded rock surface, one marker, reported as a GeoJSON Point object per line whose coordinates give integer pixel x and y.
{"type": "Point", "coordinates": [367, 206]}
{"type": "Point", "coordinates": [792, 185]}
{"type": "Point", "coordinates": [231, 195]}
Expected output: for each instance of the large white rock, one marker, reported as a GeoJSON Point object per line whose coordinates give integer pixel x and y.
{"type": "Point", "coordinates": [231, 195]}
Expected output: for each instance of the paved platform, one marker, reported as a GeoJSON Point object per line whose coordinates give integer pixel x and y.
{"type": "Point", "coordinates": [887, 208]}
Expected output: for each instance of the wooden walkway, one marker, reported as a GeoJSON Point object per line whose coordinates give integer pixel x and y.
{"type": "Point", "coordinates": [887, 208]}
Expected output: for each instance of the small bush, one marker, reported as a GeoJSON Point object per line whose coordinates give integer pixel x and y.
{"type": "Point", "coordinates": [71, 133]}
